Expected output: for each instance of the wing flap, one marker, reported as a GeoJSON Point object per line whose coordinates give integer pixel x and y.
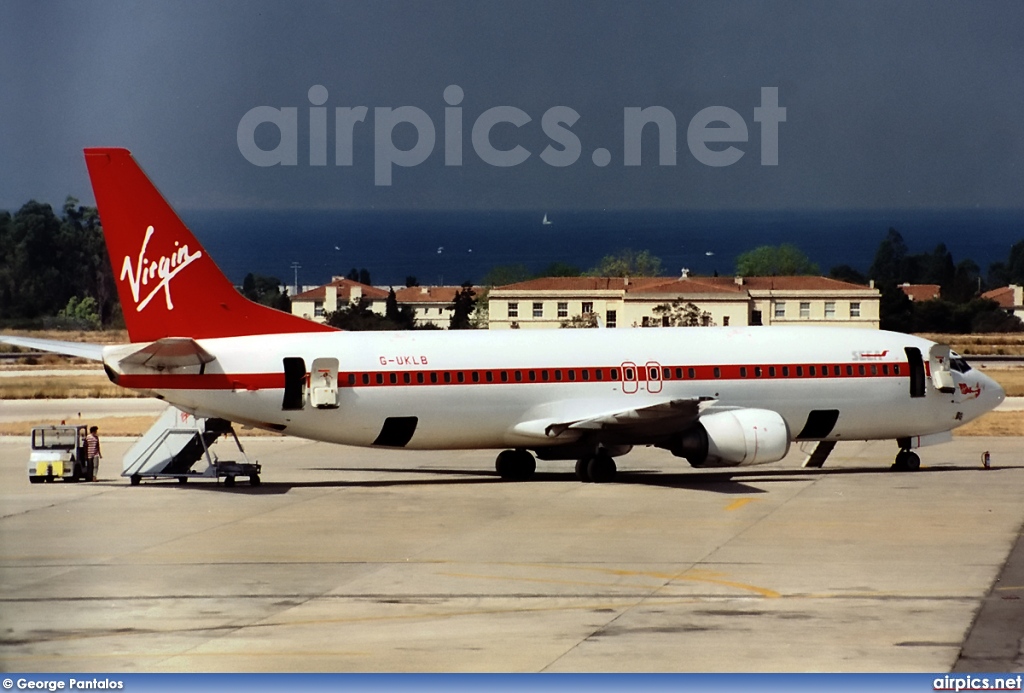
{"type": "Point", "coordinates": [659, 417]}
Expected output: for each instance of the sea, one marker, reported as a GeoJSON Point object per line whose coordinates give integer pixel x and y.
{"type": "Point", "coordinates": [451, 247]}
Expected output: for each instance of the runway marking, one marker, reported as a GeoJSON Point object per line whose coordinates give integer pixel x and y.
{"type": "Point", "coordinates": [1010, 588]}
{"type": "Point", "coordinates": [739, 503]}
{"type": "Point", "coordinates": [689, 575]}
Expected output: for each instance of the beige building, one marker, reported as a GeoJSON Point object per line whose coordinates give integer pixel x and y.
{"type": "Point", "coordinates": [316, 303]}
{"type": "Point", "coordinates": [723, 301]}
{"type": "Point", "coordinates": [432, 304]}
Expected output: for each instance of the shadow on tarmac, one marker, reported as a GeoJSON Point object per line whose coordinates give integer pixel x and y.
{"type": "Point", "coordinates": [723, 481]}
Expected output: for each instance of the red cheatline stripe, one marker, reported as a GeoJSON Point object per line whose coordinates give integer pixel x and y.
{"type": "Point", "coordinates": [522, 376]}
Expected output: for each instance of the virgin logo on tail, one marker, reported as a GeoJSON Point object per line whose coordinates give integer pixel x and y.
{"type": "Point", "coordinates": [160, 270]}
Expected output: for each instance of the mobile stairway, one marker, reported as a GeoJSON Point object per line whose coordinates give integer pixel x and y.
{"type": "Point", "coordinates": [176, 442]}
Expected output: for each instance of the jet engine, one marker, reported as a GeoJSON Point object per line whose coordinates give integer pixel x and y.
{"type": "Point", "coordinates": [733, 438]}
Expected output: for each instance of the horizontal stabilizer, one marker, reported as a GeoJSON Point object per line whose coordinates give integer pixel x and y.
{"type": "Point", "coordinates": [93, 352]}
{"type": "Point", "coordinates": [170, 352]}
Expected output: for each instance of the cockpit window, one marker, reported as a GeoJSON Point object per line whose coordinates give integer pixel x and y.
{"type": "Point", "coordinates": [958, 363]}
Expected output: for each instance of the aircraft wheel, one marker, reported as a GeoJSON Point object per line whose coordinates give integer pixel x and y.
{"type": "Point", "coordinates": [135, 479]}
{"type": "Point", "coordinates": [906, 461]}
{"type": "Point", "coordinates": [36, 479]}
{"type": "Point", "coordinates": [229, 481]}
{"type": "Point", "coordinates": [254, 480]}
{"type": "Point", "coordinates": [515, 465]}
{"type": "Point", "coordinates": [601, 468]}
{"type": "Point", "coordinates": [581, 469]}
{"type": "Point", "coordinates": [182, 479]}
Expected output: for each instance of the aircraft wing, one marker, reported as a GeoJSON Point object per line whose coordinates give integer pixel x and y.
{"type": "Point", "coordinates": [653, 418]}
{"type": "Point", "coordinates": [93, 352]}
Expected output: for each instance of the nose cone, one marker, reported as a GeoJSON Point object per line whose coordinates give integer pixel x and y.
{"type": "Point", "coordinates": [992, 393]}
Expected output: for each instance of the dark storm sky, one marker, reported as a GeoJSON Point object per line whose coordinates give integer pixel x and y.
{"type": "Point", "coordinates": [888, 105]}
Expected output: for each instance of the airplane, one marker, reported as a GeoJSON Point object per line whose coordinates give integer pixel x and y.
{"type": "Point", "coordinates": [714, 396]}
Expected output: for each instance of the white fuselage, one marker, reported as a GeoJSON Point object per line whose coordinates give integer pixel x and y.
{"type": "Point", "coordinates": [472, 389]}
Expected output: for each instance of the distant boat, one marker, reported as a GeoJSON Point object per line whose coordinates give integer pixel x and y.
{"type": "Point", "coordinates": [440, 249]}
{"type": "Point", "coordinates": [545, 221]}
{"type": "Point", "coordinates": [709, 253]}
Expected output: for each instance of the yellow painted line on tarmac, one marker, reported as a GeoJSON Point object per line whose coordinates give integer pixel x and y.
{"type": "Point", "coordinates": [1010, 588]}
{"type": "Point", "coordinates": [739, 503]}
{"type": "Point", "coordinates": [702, 576]}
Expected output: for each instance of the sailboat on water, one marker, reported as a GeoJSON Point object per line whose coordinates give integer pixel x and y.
{"type": "Point", "coordinates": [545, 221]}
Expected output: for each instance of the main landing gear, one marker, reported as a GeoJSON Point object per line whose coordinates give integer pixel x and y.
{"type": "Point", "coordinates": [515, 465]}
{"type": "Point", "coordinates": [598, 468]}
{"type": "Point", "coordinates": [906, 461]}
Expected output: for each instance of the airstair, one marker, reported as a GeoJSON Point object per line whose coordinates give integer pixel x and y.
{"type": "Point", "coordinates": [176, 442]}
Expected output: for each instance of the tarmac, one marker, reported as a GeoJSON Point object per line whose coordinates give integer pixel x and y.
{"type": "Point", "coordinates": [355, 560]}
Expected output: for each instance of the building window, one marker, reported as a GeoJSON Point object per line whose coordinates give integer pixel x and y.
{"type": "Point", "coordinates": [755, 317]}
{"type": "Point", "coordinates": [513, 310]}
{"type": "Point", "coordinates": [563, 310]}
{"type": "Point", "coordinates": [855, 309]}
{"type": "Point", "coordinates": [805, 309]}
{"type": "Point", "coordinates": [780, 310]}
{"type": "Point", "coordinates": [318, 309]}
{"type": "Point", "coordinates": [609, 318]}
{"type": "Point", "coordinates": [830, 310]}
{"type": "Point", "coordinates": [725, 321]}
{"type": "Point", "coordinates": [588, 307]}
{"type": "Point", "coordinates": [646, 322]}
{"type": "Point", "coordinates": [538, 310]}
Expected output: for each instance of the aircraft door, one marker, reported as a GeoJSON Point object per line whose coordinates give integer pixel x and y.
{"type": "Point", "coordinates": [939, 363]}
{"type": "Point", "coordinates": [323, 383]}
{"type": "Point", "coordinates": [916, 364]}
{"type": "Point", "coordinates": [294, 384]}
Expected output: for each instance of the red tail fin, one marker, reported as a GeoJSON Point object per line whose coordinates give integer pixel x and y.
{"type": "Point", "coordinates": [168, 284]}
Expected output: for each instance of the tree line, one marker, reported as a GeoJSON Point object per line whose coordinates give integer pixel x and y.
{"type": "Point", "coordinates": [54, 272]}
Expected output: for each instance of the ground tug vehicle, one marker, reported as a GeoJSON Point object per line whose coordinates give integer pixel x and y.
{"type": "Point", "coordinates": [58, 452]}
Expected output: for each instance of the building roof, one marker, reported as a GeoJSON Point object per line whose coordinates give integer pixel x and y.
{"type": "Point", "coordinates": [1004, 296]}
{"type": "Point", "coordinates": [429, 294]}
{"type": "Point", "coordinates": [921, 292]}
{"type": "Point", "coordinates": [690, 284]}
{"type": "Point", "coordinates": [578, 283]}
{"type": "Point", "coordinates": [344, 287]}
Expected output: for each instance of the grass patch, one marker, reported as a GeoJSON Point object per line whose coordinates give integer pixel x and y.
{"type": "Point", "coordinates": [995, 423]}
{"type": "Point", "coordinates": [999, 344]}
{"type": "Point", "coordinates": [128, 426]}
{"type": "Point", "coordinates": [1011, 379]}
{"type": "Point", "coordinates": [89, 385]}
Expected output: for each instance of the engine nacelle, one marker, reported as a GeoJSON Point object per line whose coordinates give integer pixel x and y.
{"type": "Point", "coordinates": [734, 438]}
